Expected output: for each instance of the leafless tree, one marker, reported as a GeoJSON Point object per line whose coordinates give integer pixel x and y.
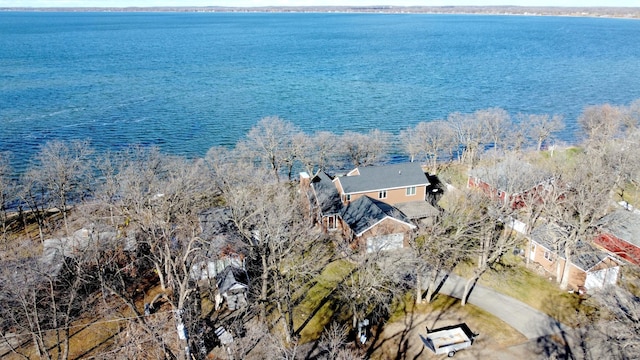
{"type": "Point", "coordinates": [333, 339]}
{"type": "Point", "coordinates": [437, 139]}
{"type": "Point", "coordinates": [578, 202]}
{"type": "Point", "coordinates": [541, 127]}
{"type": "Point", "coordinates": [22, 318]}
{"type": "Point", "coordinates": [411, 141]}
{"type": "Point", "coordinates": [367, 291]}
{"type": "Point", "coordinates": [61, 171]}
{"type": "Point", "coordinates": [159, 198]}
{"type": "Point", "coordinates": [492, 239]}
{"type": "Point", "coordinates": [469, 136]}
{"type": "Point", "coordinates": [365, 149]}
{"type": "Point", "coordinates": [283, 249]}
{"type": "Point", "coordinates": [633, 115]}
{"type": "Point", "coordinates": [601, 123]}
{"type": "Point", "coordinates": [427, 140]}
{"type": "Point", "coordinates": [439, 247]}
{"type": "Point", "coordinates": [41, 302]}
{"type": "Point", "coordinates": [319, 151]}
{"type": "Point", "coordinates": [106, 168]}
{"type": "Point", "coordinates": [496, 123]}
{"type": "Point", "coordinates": [7, 192]}
{"type": "Point", "coordinates": [295, 262]}
{"type": "Point", "coordinates": [270, 142]}
{"type": "Point", "coordinates": [615, 334]}
{"type": "Point", "coordinates": [33, 195]}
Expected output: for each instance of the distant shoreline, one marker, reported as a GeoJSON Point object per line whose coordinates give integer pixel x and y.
{"type": "Point", "coordinates": [603, 12]}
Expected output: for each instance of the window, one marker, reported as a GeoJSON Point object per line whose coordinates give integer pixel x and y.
{"type": "Point", "coordinates": [548, 255]}
{"type": "Point", "coordinates": [331, 222]}
{"type": "Point", "coordinates": [382, 194]}
{"type": "Point", "coordinates": [346, 197]}
{"type": "Point", "coordinates": [411, 191]}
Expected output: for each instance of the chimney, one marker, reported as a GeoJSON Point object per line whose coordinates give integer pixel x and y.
{"type": "Point", "coordinates": [305, 181]}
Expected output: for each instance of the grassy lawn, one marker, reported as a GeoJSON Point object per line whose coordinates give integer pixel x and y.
{"type": "Point", "coordinates": [406, 321]}
{"type": "Point", "coordinates": [630, 194]}
{"type": "Point", "coordinates": [453, 173]}
{"type": "Point", "coordinates": [400, 336]}
{"type": "Point", "coordinates": [317, 308]}
{"type": "Point", "coordinates": [511, 277]}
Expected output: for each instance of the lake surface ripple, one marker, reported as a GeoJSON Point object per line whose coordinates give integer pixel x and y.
{"type": "Point", "coordinates": [189, 81]}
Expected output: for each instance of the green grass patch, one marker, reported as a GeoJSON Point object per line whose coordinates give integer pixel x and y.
{"type": "Point", "coordinates": [630, 193]}
{"type": "Point", "coordinates": [455, 174]}
{"type": "Point", "coordinates": [317, 303]}
{"type": "Point", "coordinates": [511, 277]}
{"type": "Point", "coordinates": [399, 338]}
{"type": "Point", "coordinates": [449, 307]}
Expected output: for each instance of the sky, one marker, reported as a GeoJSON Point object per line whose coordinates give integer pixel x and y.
{"type": "Point", "coordinates": [253, 3]}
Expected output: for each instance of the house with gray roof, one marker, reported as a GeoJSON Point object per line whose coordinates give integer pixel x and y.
{"type": "Point", "coordinates": [372, 206]}
{"type": "Point", "coordinates": [620, 235]}
{"type": "Point", "coordinates": [395, 183]}
{"type": "Point", "coordinates": [590, 267]}
{"type": "Point", "coordinates": [375, 225]}
{"type": "Point", "coordinates": [324, 200]}
{"type": "Point", "coordinates": [510, 181]}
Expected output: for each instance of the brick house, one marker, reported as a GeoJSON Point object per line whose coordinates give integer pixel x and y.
{"type": "Point", "coordinates": [511, 181]}
{"type": "Point", "coordinates": [375, 225]}
{"type": "Point", "coordinates": [379, 202]}
{"type": "Point", "coordinates": [590, 267]}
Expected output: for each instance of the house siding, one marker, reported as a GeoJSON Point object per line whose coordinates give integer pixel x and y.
{"type": "Point", "coordinates": [385, 227]}
{"type": "Point", "coordinates": [515, 200]}
{"type": "Point", "coordinates": [394, 196]}
{"type": "Point", "coordinates": [487, 189]}
{"type": "Point", "coordinates": [538, 257]}
{"type": "Point", "coordinates": [577, 277]}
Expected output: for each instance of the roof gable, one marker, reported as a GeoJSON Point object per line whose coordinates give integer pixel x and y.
{"type": "Point", "coordinates": [365, 212]}
{"type": "Point", "coordinates": [372, 178]}
{"type": "Point", "coordinates": [326, 194]}
{"type": "Point", "coordinates": [231, 277]}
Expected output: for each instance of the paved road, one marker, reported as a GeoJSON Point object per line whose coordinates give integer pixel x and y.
{"type": "Point", "coordinates": [520, 316]}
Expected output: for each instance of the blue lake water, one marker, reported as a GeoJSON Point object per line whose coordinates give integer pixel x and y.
{"type": "Point", "coordinates": [189, 81]}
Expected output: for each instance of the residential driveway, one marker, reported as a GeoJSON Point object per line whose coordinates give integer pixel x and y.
{"type": "Point", "coordinates": [520, 316]}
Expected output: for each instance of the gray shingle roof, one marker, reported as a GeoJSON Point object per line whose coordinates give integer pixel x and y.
{"type": "Point", "coordinates": [585, 257]}
{"type": "Point", "coordinates": [384, 177]}
{"type": "Point", "coordinates": [624, 225]}
{"type": "Point", "coordinates": [231, 276]}
{"type": "Point", "coordinates": [511, 175]}
{"type": "Point", "coordinates": [365, 211]}
{"type": "Point", "coordinates": [326, 194]}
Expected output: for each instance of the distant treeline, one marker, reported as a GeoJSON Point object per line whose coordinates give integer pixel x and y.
{"type": "Point", "coordinates": [616, 12]}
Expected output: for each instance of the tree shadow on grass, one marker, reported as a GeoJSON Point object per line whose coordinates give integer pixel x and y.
{"type": "Point", "coordinates": [327, 299]}
{"type": "Point", "coordinates": [563, 341]}
{"type": "Point", "coordinates": [414, 321]}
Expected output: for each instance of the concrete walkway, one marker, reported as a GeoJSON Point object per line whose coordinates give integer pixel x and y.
{"type": "Point", "coordinates": [520, 316]}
